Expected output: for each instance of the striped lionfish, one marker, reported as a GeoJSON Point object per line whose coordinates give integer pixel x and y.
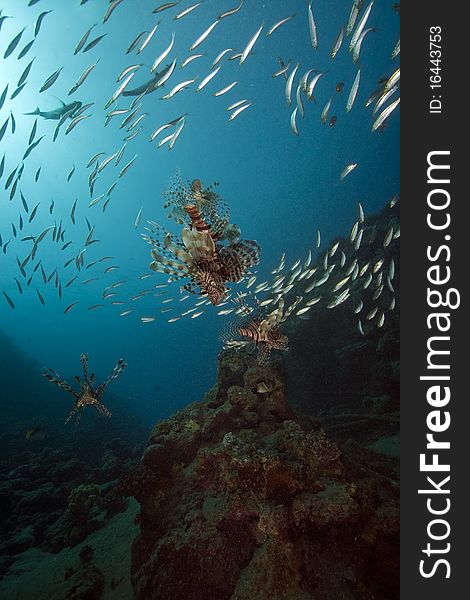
{"type": "Point", "coordinates": [87, 394]}
{"type": "Point", "coordinates": [209, 204]}
{"type": "Point", "coordinates": [257, 330]}
{"type": "Point", "coordinates": [179, 194]}
{"type": "Point", "coordinates": [210, 252]}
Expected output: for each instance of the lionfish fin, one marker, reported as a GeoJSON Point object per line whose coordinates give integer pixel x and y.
{"type": "Point", "coordinates": [102, 409]}
{"type": "Point", "coordinates": [160, 262]}
{"type": "Point", "coordinates": [238, 257]}
{"type": "Point", "coordinates": [180, 253]}
{"type": "Point", "coordinates": [118, 369]}
{"type": "Point", "coordinates": [55, 378]}
{"type": "Point", "coordinates": [75, 412]}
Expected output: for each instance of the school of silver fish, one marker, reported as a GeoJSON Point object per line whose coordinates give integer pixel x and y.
{"type": "Point", "coordinates": [322, 279]}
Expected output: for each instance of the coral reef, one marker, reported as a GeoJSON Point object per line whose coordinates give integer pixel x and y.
{"type": "Point", "coordinates": [241, 497]}
{"type": "Point", "coordinates": [87, 583]}
{"type": "Point", "coordinates": [39, 473]}
{"type": "Point", "coordinates": [54, 498]}
{"type": "Point", "coordinates": [82, 501]}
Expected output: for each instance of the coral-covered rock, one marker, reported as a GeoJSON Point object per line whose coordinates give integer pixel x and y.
{"type": "Point", "coordinates": [242, 498]}
{"type": "Point", "coordinates": [86, 584]}
{"type": "Point", "coordinates": [83, 500]}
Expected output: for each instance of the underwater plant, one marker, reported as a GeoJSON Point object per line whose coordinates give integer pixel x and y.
{"type": "Point", "coordinates": [87, 394]}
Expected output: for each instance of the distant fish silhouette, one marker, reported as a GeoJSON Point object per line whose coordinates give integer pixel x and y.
{"type": "Point", "coordinates": [35, 434]}
{"type": "Point", "coordinates": [58, 112]}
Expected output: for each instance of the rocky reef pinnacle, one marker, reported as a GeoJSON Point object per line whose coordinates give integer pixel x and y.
{"type": "Point", "coordinates": [242, 498]}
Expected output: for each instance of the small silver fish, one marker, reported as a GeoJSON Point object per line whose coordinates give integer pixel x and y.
{"type": "Point", "coordinates": [359, 326]}
{"type": "Point", "coordinates": [82, 78]}
{"type": "Point", "coordinates": [356, 7]}
{"type": "Point", "coordinates": [396, 50]}
{"type": "Point", "coordinates": [137, 219]}
{"type": "Point", "coordinates": [186, 11]}
{"type": "Point", "coordinates": [393, 80]}
{"type": "Point", "coordinates": [339, 299]}
{"type": "Point", "coordinates": [381, 319]}
{"type": "Point", "coordinates": [236, 104]}
{"type": "Point", "coordinates": [70, 306]}
{"type": "Point", "coordinates": [208, 78]}
{"type": "Point", "coordinates": [165, 7]}
{"type": "Point", "coordinates": [176, 134]}
{"type": "Point", "coordinates": [203, 36]}
{"type": "Point", "coordinates": [293, 122]}
{"type": "Point", "coordinates": [239, 110]}
{"type": "Point", "coordinates": [9, 300]}
{"type": "Point", "coordinates": [83, 40]}
{"type": "Point", "coordinates": [111, 8]}
{"type": "Point", "coordinates": [312, 27]}
{"type": "Point", "coordinates": [273, 28]}
{"type": "Point", "coordinates": [163, 55]}
{"type": "Point", "coordinates": [312, 84]}
{"type": "Point", "coordinates": [178, 88]}
{"type": "Point", "coordinates": [358, 239]}
{"type": "Point", "coordinates": [21, 80]}
{"type": "Point", "coordinates": [220, 56]}
{"type": "Point", "coordinates": [230, 12]}
{"type": "Point", "coordinates": [341, 284]}
{"type": "Point", "coordinates": [250, 45]}
{"type": "Point", "coordinates": [94, 42]}
{"type": "Point", "coordinates": [50, 80]}
{"type": "Point", "coordinates": [324, 114]}
{"type": "Point", "coordinates": [146, 41]}
{"type": "Point", "coordinates": [136, 42]}
{"type": "Point", "coordinates": [338, 42]}
{"type": "Point", "coordinates": [75, 122]}
{"type": "Point", "coordinates": [385, 114]}
{"type": "Point", "coordinates": [126, 167]}
{"type": "Point", "coordinates": [353, 92]}
{"type": "Point", "coordinates": [347, 170]}
{"type": "Point", "coordinates": [226, 89]}
{"type": "Point", "coordinates": [361, 212]}
{"type": "Point", "coordinates": [388, 237]}
{"type": "Point", "coordinates": [120, 89]}
{"type": "Point", "coordinates": [282, 71]}
{"type": "Point", "coordinates": [189, 59]}
{"type": "Point", "coordinates": [289, 83]}
{"type": "Point", "coordinates": [360, 27]}
{"type": "Point", "coordinates": [357, 48]}
{"type": "Point", "coordinates": [359, 307]}
{"type": "Point", "coordinates": [384, 98]}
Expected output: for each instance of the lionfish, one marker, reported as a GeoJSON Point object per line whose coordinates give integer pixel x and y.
{"type": "Point", "coordinates": [209, 204]}
{"type": "Point", "coordinates": [210, 252]}
{"type": "Point", "coordinates": [257, 330]}
{"type": "Point", "coordinates": [87, 394]}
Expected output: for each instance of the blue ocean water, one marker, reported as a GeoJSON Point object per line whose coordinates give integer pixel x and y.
{"type": "Point", "coordinates": [281, 188]}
